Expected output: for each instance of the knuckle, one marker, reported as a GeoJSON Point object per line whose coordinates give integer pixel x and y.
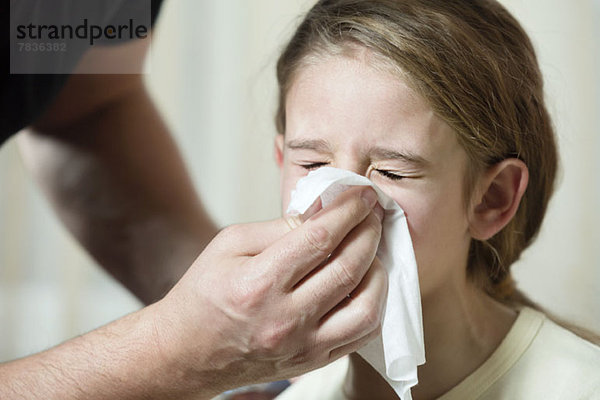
{"type": "Point", "coordinates": [374, 224]}
{"type": "Point", "coordinates": [369, 315]}
{"type": "Point", "coordinates": [320, 240]}
{"type": "Point", "coordinates": [370, 230]}
{"type": "Point", "coordinates": [381, 276]}
{"type": "Point", "coordinates": [357, 208]}
{"type": "Point", "coordinates": [347, 275]}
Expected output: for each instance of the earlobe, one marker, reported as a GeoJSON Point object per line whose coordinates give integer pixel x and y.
{"type": "Point", "coordinates": [501, 189]}
{"type": "Point", "coordinates": [278, 150]}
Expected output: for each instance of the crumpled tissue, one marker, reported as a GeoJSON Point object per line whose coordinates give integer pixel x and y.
{"type": "Point", "coordinates": [400, 348]}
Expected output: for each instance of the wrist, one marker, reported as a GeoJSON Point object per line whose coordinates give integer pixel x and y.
{"type": "Point", "coordinates": [120, 360]}
{"type": "Point", "coordinates": [128, 360]}
{"type": "Point", "coordinates": [183, 357]}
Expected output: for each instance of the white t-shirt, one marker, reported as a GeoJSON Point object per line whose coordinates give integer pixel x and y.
{"type": "Point", "coordinates": [536, 360]}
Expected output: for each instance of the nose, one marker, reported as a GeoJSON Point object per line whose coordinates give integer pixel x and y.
{"type": "Point", "coordinates": [353, 164]}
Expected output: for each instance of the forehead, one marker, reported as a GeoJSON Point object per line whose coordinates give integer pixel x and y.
{"type": "Point", "coordinates": [336, 83]}
{"type": "Point", "coordinates": [353, 100]}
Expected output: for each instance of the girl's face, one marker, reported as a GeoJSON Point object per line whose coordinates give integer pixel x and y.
{"type": "Point", "coordinates": [341, 112]}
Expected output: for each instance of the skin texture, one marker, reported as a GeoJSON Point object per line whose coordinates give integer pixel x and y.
{"type": "Point", "coordinates": [342, 112]}
{"type": "Point", "coordinates": [108, 166]}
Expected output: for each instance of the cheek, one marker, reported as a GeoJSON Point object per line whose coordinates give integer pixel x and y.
{"type": "Point", "coordinates": [420, 222]}
{"type": "Point", "coordinates": [287, 184]}
{"type": "Point", "coordinates": [438, 228]}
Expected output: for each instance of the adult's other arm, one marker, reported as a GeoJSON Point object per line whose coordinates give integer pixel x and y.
{"type": "Point", "coordinates": [108, 165]}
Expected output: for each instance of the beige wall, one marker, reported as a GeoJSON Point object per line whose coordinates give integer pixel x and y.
{"type": "Point", "coordinates": [212, 74]}
{"type": "Point", "coordinates": [562, 270]}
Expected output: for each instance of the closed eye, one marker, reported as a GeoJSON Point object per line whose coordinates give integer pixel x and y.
{"type": "Point", "coordinates": [312, 166]}
{"type": "Point", "coordinates": [389, 175]}
{"type": "Point", "coordinates": [382, 172]}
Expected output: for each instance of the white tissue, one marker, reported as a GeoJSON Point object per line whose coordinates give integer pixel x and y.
{"type": "Point", "coordinates": [396, 353]}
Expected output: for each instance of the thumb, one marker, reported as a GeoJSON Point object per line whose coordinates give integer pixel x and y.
{"type": "Point", "coordinates": [295, 221]}
{"type": "Point", "coordinates": [254, 238]}
{"type": "Point", "coordinates": [312, 210]}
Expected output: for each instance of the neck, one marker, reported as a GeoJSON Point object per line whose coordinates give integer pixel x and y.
{"type": "Point", "coordinates": [462, 327]}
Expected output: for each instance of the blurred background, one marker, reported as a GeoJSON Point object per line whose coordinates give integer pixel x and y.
{"type": "Point", "coordinates": [211, 72]}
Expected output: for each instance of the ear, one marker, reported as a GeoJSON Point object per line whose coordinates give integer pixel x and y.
{"type": "Point", "coordinates": [499, 193]}
{"type": "Point", "coordinates": [279, 150]}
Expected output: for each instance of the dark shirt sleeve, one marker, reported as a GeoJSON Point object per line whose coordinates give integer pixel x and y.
{"type": "Point", "coordinates": [24, 97]}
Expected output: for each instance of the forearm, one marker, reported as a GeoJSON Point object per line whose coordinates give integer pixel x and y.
{"type": "Point", "coordinates": [118, 183]}
{"type": "Point", "coordinates": [218, 328]}
{"type": "Point", "coordinates": [122, 360]}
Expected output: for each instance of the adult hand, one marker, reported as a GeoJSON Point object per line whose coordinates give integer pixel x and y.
{"type": "Point", "coordinates": [265, 302]}
{"type": "Point", "coordinates": [262, 302]}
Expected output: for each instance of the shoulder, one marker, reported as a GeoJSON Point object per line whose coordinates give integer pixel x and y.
{"type": "Point", "coordinates": [537, 359]}
{"type": "Point", "coordinates": [567, 352]}
{"type": "Point", "coordinates": [557, 364]}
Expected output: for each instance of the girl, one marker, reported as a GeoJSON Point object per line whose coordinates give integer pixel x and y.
{"type": "Point", "coordinates": [440, 103]}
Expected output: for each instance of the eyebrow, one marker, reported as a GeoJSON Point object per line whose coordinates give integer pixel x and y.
{"type": "Point", "coordinates": [381, 153]}
{"type": "Point", "coordinates": [406, 156]}
{"type": "Point", "coordinates": [309, 144]}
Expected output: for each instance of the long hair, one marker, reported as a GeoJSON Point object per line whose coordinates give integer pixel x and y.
{"type": "Point", "coordinates": [477, 68]}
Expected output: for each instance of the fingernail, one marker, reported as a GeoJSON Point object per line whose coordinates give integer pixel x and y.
{"type": "Point", "coordinates": [369, 197]}
{"type": "Point", "coordinates": [293, 222]}
{"type": "Point", "coordinates": [312, 210]}
{"type": "Point", "coordinates": [379, 212]}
